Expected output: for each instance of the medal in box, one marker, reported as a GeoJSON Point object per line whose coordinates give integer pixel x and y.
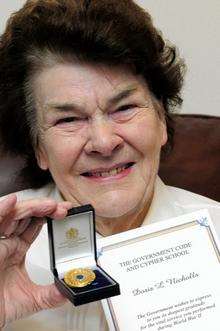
{"type": "Point", "coordinates": [73, 258]}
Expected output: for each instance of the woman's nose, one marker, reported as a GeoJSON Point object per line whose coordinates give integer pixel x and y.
{"type": "Point", "coordinates": [102, 139]}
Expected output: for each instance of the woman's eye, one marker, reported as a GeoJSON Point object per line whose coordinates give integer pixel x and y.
{"type": "Point", "coordinates": [67, 120]}
{"type": "Point", "coordinates": [124, 112]}
{"type": "Point", "coordinates": [125, 107]}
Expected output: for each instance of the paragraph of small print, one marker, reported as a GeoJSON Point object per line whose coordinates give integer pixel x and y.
{"type": "Point", "coordinates": [181, 313]}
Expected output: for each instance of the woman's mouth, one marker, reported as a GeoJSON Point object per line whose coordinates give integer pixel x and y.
{"type": "Point", "coordinates": [119, 170]}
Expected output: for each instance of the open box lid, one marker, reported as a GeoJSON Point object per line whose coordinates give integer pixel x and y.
{"type": "Point", "coordinates": [72, 240]}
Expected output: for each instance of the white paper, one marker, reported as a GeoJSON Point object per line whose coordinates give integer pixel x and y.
{"type": "Point", "coordinates": [169, 276]}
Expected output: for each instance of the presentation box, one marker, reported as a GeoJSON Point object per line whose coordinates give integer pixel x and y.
{"type": "Point", "coordinates": [72, 243]}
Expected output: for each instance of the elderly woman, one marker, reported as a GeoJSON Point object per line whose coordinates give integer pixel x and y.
{"type": "Point", "coordinates": [86, 93]}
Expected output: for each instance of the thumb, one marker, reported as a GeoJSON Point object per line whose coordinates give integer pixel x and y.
{"type": "Point", "coordinates": [50, 297]}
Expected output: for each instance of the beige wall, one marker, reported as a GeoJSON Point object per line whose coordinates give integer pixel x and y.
{"type": "Point", "coordinates": [6, 8]}
{"type": "Point", "coordinates": [194, 25]}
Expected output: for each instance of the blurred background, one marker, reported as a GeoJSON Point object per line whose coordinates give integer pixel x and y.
{"type": "Point", "coordinates": [194, 26]}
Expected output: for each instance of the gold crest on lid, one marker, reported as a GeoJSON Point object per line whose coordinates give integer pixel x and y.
{"type": "Point", "coordinates": [79, 277]}
{"type": "Point", "coordinates": [72, 233]}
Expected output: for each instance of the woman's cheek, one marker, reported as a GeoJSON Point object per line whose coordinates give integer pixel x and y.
{"type": "Point", "coordinates": [145, 136]}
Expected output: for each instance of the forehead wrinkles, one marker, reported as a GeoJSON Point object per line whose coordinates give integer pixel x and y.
{"type": "Point", "coordinates": [87, 85]}
{"type": "Point", "coordinates": [104, 84]}
{"type": "Point", "coordinates": [58, 81]}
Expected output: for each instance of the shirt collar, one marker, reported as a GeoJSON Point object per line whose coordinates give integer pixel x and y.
{"type": "Point", "coordinates": [163, 204]}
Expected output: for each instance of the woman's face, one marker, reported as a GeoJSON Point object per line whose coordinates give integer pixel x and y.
{"type": "Point", "coordinates": [99, 135]}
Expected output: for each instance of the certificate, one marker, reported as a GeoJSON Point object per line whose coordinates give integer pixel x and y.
{"type": "Point", "coordinates": [169, 276]}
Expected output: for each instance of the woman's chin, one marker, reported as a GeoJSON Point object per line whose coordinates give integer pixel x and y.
{"type": "Point", "coordinates": [116, 206]}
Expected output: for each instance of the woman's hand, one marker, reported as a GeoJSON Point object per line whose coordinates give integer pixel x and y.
{"type": "Point", "coordinates": [20, 224]}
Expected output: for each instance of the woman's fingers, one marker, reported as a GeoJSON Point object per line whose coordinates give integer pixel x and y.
{"type": "Point", "coordinates": [22, 218]}
{"type": "Point", "coordinates": [32, 231]}
{"type": "Point", "coordinates": [6, 206]}
{"type": "Point", "coordinates": [61, 210]}
{"type": "Point", "coordinates": [17, 218]}
{"type": "Point", "coordinates": [38, 208]}
{"type": "Point", "coordinates": [22, 226]}
{"type": "Point", "coordinates": [10, 228]}
{"type": "Point", "coordinates": [34, 228]}
{"type": "Point", "coordinates": [21, 211]}
{"type": "Point", "coordinates": [49, 297]}
{"type": "Point", "coordinates": [35, 225]}
{"type": "Point", "coordinates": [8, 248]}
{"type": "Point", "coordinates": [33, 207]}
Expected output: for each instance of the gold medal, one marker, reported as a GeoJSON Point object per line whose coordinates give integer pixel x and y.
{"type": "Point", "coordinates": [79, 277]}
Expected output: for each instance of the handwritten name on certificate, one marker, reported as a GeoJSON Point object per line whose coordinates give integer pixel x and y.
{"type": "Point", "coordinates": [169, 275]}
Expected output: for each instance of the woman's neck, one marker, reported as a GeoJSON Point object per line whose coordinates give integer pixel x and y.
{"type": "Point", "coordinates": [110, 226]}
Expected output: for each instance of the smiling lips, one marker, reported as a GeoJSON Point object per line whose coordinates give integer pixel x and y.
{"type": "Point", "coordinates": [110, 173]}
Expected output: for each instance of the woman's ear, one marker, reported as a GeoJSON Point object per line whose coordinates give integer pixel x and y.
{"type": "Point", "coordinates": [158, 105]}
{"type": "Point", "coordinates": [164, 135]}
{"type": "Point", "coordinates": [41, 157]}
